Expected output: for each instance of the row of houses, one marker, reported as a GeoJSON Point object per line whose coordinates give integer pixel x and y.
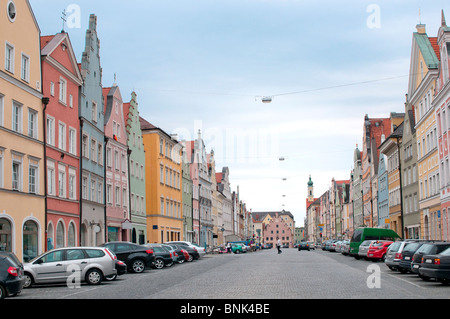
{"type": "Point", "coordinates": [80, 166]}
{"type": "Point", "coordinates": [401, 176]}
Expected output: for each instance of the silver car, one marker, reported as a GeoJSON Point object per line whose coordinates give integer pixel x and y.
{"type": "Point", "coordinates": [394, 253]}
{"type": "Point", "coordinates": [364, 248]}
{"type": "Point", "coordinates": [71, 265]}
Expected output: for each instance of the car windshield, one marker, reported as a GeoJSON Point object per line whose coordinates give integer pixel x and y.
{"type": "Point", "coordinates": [366, 243]}
{"type": "Point", "coordinates": [425, 249]}
{"type": "Point", "coordinates": [411, 247]}
{"type": "Point", "coordinates": [446, 252]}
{"type": "Point", "coordinates": [395, 246]}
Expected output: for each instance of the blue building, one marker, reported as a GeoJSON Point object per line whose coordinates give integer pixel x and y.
{"type": "Point", "coordinates": [92, 140]}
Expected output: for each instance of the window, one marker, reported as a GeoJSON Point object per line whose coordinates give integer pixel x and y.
{"type": "Point", "coordinates": [62, 90]}
{"type": "Point", "coordinates": [32, 179]}
{"type": "Point", "coordinates": [116, 160]}
{"type": "Point", "coordinates": [1, 167]}
{"type": "Point", "coordinates": [61, 183]}
{"type": "Point", "coordinates": [94, 112]}
{"type": "Point", "coordinates": [84, 187]}
{"type": "Point", "coordinates": [2, 99]}
{"type": "Point", "coordinates": [100, 153]}
{"type": "Point", "coordinates": [93, 150]}
{"type": "Point", "coordinates": [25, 72]}
{"type": "Point", "coordinates": [16, 175]}
{"type": "Point", "coordinates": [50, 131]}
{"type": "Point", "coordinates": [109, 193]}
{"type": "Point", "coordinates": [93, 190]}
{"type": "Point", "coordinates": [11, 11]}
{"type": "Point", "coordinates": [108, 157]}
{"type": "Point", "coordinates": [50, 179]}
{"type": "Point", "coordinates": [62, 136]}
{"type": "Point", "coordinates": [73, 141]}
{"type": "Point", "coordinates": [9, 58]}
{"type": "Point", "coordinates": [124, 197]}
{"type": "Point", "coordinates": [72, 184]}
{"type": "Point", "coordinates": [100, 192]}
{"type": "Point", "coordinates": [117, 194]}
{"type": "Point", "coordinates": [52, 89]}
{"type": "Point", "coordinates": [17, 117]}
{"type": "Point", "coordinates": [84, 147]}
{"type": "Point", "coordinates": [71, 100]}
{"type": "Point", "coordinates": [32, 123]}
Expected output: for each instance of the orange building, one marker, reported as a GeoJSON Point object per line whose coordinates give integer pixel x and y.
{"type": "Point", "coordinates": [163, 176]}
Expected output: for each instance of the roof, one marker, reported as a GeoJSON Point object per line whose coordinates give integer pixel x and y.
{"type": "Point", "coordinates": [427, 49]}
{"type": "Point", "coordinates": [147, 126]}
{"type": "Point", "coordinates": [259, 216]}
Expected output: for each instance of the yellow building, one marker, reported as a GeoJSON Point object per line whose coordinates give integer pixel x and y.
{"type": "Point", "coordinates": [163, 177]}
{"type": "Point", "coordinates": [423, 74]}
{"type": "Point", "coordinates": [22, 188]}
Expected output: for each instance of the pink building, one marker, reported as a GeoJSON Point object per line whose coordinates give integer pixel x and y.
{"type": "Point", "coordinates": [117, 191]}
{"type": "Point", "coordinates": [61, 80]}
{"type": "Point", "coordinates": [437, 224]}
{"type": "Point", "coordinates": [276, 229]}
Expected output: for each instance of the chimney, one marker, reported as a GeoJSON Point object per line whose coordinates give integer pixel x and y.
{"type": "Point", "coordinates": [421, 28]}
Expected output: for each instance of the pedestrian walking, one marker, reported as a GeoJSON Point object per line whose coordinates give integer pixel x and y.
{"type": "Point", "coordinates": [279, 246]}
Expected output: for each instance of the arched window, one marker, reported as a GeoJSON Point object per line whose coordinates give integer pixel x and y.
{"type": "Point", "coordinates": [71, 235]}
{"type": "Point", "coordinates": [60, 233]}
{"type": "Point", "coordinates": [30, 240]}
{"type": "Point", "coordinates": [50, 237]}
{"type": "Point", "coordinates": [5, 235]}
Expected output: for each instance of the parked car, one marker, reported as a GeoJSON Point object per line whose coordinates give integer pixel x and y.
{"type": "Point", "coordinates": [303, 246]}
{"type": "Point", "coordinates": [366, 233]}
{"type": "Point", "coordinates": [437, 266]}
{"type": "Point", "coordinates": [345, 247]}
{"type": "Point", "coordinates": [377, 250]}
{"type": "Point", "coordinates": [182, 253]}
{"type": "Point", "coordinates": [173, 252]}
{"type": "Point", "coordinates": [363, 249]}
{"type": "Point", "coordinates": [11, 275]}
{"type": "Point", "coordinates": [238, 248]}
{"type": "Point", "coordinates": [136, 257]}
{"type": "Point", "coordinates": [311, 245]}
{"type": "Point", "coordinates": [394, 253]}
{"type": "Point", "coordinates": [193, 252]}
{"type": "Point", "coordinates": [201, 250]}
{"type": "Point", "coordinates": [54, 266]}
{"type": "Point", "coordinates": [404, 265]}
{"type": "Point", "coordinates": [429, 248]}
{"type": "Point", "coordinates": [163, 257]}
{"type": "Point", "coordinates": [121, 268]}
{"type": "Point", "coordinates": [338, 246]}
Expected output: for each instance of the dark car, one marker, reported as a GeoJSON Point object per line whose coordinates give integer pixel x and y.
{"type": "Point", "coordinates": [121, 268]}
{"type": "Point", "coordinates": [11, 275]}
{"type": "Point", "coordinates": [136, 257]}
{"type": "Point", "coordinates": [432, 248]}
{"type": "Point", "coordinates": [183, 254]}
{"type": "Point", "coordinates": [163, 257]}
{"type": "Point", "coordinates": [437, 266]}
{"type": "Point", "coordinates": [303, 246]}
{"type": "Point", "coordinates": [404, 266]}
{"type": "Point", "coordinates": [193, 253]}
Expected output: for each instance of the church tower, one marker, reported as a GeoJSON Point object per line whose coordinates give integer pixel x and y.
{"type": "Point", "coordinates": [310, 190]}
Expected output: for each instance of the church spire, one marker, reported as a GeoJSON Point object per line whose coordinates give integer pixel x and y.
{"type": "Point", "coordinates": [443, 23]}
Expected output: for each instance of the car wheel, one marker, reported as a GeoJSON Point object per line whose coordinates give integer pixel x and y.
{"type": "Point", "coordinates": [111, 278]}
{"type": "Point", "coordinates": [2, 292]}
{"type": "Point", "coordinates": [169, 264]}
{"type": "Point", "coordinates": [138, 266]}
{"type": "Point", "coordinates": [191, 258]}
{"type": "Point", "coordinates": [444, 281]}
{"type": "Point", "coordinates": [181, 261]}
{"type": "Point", "coordinates": [403, 270]}
{"type": "Point", "coordinates": [159, 263]}
{"type": "Point", "coordinates": [94, 277]}
{"type": "Point", "coordinates": [28, 280]}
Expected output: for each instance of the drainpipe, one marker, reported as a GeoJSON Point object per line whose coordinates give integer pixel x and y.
{"type": "Point", "coordinates": [45, 101]}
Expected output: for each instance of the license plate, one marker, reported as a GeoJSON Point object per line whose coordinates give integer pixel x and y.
{"type": "Point", "coordinates": [416, 266]}
{"type": "Point", "coordinates": [428, 261]}
{"type": "Point", "coordinates": [407, 258]}
{"type": "Point", "coordinates": [370, 255]}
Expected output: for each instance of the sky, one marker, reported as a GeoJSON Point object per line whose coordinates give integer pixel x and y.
{"type": "Point", "coordinates": [207, 65]}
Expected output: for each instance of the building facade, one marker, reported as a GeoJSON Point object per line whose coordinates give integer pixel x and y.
{"type": "Point", "coordinates": [22, 160]}
{"type": "Point", "coordinates": [118, 223]}
{"type": "Point", "coordinates": [92, 136]}
{"type": "Point", "coordinates": [61, 79]}
{"type": "Point", "coordinates": [162, 184]}
{"type": "Point", "coordinates": [136, 169]}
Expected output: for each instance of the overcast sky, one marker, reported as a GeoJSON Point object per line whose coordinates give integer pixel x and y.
{"type": "Point", "coordinates": [205, 64]}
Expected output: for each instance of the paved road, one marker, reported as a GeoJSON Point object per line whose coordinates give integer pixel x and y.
{"type": "Point", "coordinates": [259, 275]}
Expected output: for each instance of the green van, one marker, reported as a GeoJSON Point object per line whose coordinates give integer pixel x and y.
{"type": "Point", "coordinates": [362, 234]}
